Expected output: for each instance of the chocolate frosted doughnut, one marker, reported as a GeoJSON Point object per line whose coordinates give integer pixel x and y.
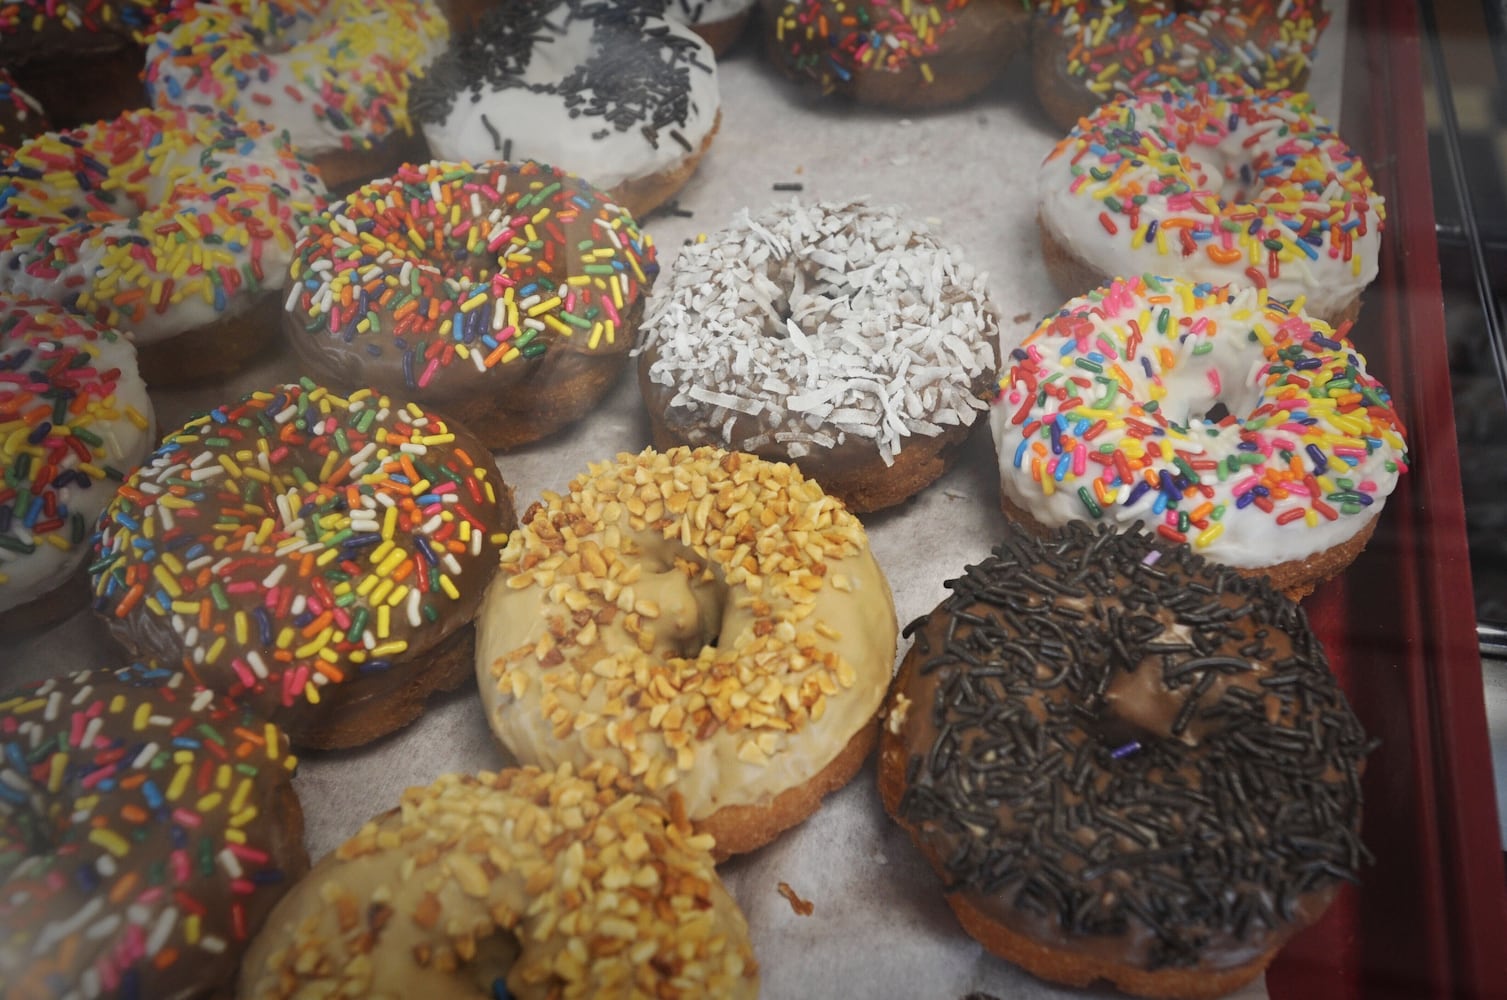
{"type": "Point", "coordinates": [1125, 763]}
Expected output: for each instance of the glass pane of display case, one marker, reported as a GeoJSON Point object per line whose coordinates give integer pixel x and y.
{"type": "Point", "coordinates": [953, 498]}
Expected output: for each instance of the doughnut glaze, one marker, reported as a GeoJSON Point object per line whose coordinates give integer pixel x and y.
{"type": "Point", "coordinates": [709, 624]}
{"type": "Point", "coordinates": [1224, 186]}
{"type": "Point", "coordinates": [1217, 416]}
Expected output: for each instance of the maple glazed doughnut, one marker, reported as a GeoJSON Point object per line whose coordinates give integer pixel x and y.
{"type": "Point", "coordinates": [149, 827]}
{"type": "Point", "coordinates": [611, 91]}
{"type": "Point", "coordinates": [316, 556]}
{"type": "Point", "coordinates": [895, 53]}
{"type": "Point", "coordinates": [1125, 763]}
{"type": "Point", "coordinates": [75, 419]}
{"type": "Point", "coordinates": [506, 295]}
{"type": "Point", "coordinates": [837, 336]}
{"type": "Point", "coordinates": [710, 625]}
{"type": "Point", "coordinates": [1252, 433]}
{"type": "Point", "coordinates": [174, 226]}
{"type": "Point", "coordinates": [1088, 52]}
{"type": "Point", "coordinates": [1228, 187]}
{"type": "Point", "coordinates": [522, 884]}
{"type": "Point", "coordinates": [335, 74]}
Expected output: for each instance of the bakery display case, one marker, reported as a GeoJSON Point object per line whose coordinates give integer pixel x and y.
{"type": "Point", "coordinates": [841, 903]}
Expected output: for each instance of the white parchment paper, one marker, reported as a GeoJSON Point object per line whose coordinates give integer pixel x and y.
{"type": "Point", "coordinates": [880, 928]}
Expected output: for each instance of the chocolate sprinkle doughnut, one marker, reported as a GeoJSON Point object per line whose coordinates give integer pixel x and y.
{"type": "Point", "coordinates": [1125, 763]}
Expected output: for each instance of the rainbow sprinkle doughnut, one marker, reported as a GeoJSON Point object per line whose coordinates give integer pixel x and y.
{"type": "Point", "coordinates": [301, 550]}
{"type": "Point", "coordinates": [508, 295]}
{"type": "Point", "coordinates": [21, 117]}
{"type": "Point", "coordinates": [1110, 411]}
{"type": "Point", "coordinates": [1229, 187]}
{"type": "Point", "coordinates": [334, 74]}
{"type": "Point", "coordinates": [146, 830]}
{"type": "Point", "coordinates": [1088, 51]}
{"type": "Point", "coordinates": [155, 223]}
{"type": "Point", "coordinates": [74, 421]}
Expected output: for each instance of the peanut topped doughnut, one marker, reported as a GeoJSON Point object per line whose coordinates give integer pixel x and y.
{"type": "Point", "coordinates": [1250, 432]}
{"type": "Point", "coordinates": [174, 226]}
{"type": "Point", "coordinates": [334, 73]}
{"type": "Point", "coordinates": [1087, 52]}
{"type": "Point", "coordinates": [75, 419]}
{"type": "Point", "coordinates": [506, 295]}
{"type": "Point", "coordinates": [606, 89]}
{"type": "Point", "coordinates": [146, 830]}
{"type": "Point", "coordinates": [836, 335]}
{"type": "Point", "coordinates": [897, 53]}
{"type": "Point", "coordinates": [525, 884]}
{"type": "Point", "coordinates": [316, 556]}
{"type": "Point", "coordinates": [1224, 186]}
{"type": "Point", "coordinates": [709, 624]}
{"type": "Point", "coordinates": [1125, 763]}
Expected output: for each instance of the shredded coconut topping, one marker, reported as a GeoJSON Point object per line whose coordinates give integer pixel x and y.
{"type": "Point", "coordinates": [811, 323]}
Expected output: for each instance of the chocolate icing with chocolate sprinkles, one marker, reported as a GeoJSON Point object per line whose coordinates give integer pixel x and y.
{"type": "Point", "coordinates": [1120, 749]}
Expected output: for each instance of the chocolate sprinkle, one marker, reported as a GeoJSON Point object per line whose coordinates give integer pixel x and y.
{"type": "Point", "coordinates": [1173, 766]}
{"type": "Point", "coordinates": [638, 76]}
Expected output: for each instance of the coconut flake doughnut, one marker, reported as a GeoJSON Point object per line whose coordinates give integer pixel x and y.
{"type": "Point", "coordinates": [1217, 416]}
{"type": "Point", "coordinates": [895, 53]}
{"type": "Point", "coordinates": [75, 420]}
{"type": "Point", "coordinates": [174, 226]}
{"type": "Point", "coordinates": [523, 884]}
{"type": "Point", "coordinates": [1125, 763]}
{"type": "Point", "coordinates": [606, 90]}
{"type": "Point", "coordinates": [506, 295]}
{"type": "Point", "coordinates": [316, 556]}
{"type": "Point", "coordinates": [1228, 187]}
{"type": "Point", "coordinates": [837, 336]}
{"type": "Point", "coordinates": [1087, 52]}
{"type": "Point", "coordinates": [146, 830]}
{"type": "Point", "coordinates": [334, 73]}
{"type": "Point", "coordinates": [718, 22]}
{"type": "Point", "coordinates": [708, 624]}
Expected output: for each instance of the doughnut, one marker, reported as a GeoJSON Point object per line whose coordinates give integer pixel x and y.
{"type": "Point", "coordinates": [1124, 763]}
{"type": "Point", "coordinates": [608, 91]}
{"type": "Point", "coordinates": [708, 624]}
{"type": "Point", "coordinates": [172, 226]}
{"type": "Point", "coordinates": [21, 117]}
{"type": "Point", "coordinates": [838, 336]}
{"type": "Point", "coordinates": [718, 22]}
{"type": "Point", "coordinates": [526, 884]}
{"type": "Point", "coordinates": [1085, 52]}
{"type": "Point", "coordinates": [81, 58]}
{"type": "Point", "coordinates": [1228, 187]}
{"type": "Point", "coordinates": [505, 295]}
{"type": "Point", "coordinates": [74, 420]}
{"type": "Point", "coordinates": [146, 830]}
{"type": "Point", "coordinates": [1219, 417]}
{"type": "Point", "coordinates": [334, 73]}
{"type": "Point", "coordinates": [317, 557]}
{"type": "Point", "coordinates": [894, 53]}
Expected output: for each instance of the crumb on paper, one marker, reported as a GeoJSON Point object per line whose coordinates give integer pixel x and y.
{"type": "Point", "coordinates": [802, 907]}
{"type": "Point", "coordinates": [1024, 317]}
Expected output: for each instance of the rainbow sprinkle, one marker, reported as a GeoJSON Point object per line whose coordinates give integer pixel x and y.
{"type": "Point", "coordinates": [1115, 46]}
{"type": "Point", "coordinates": [1110, 410]}
{"type": "Point", "coordinates": [1296, 192]}
{"type": "Point", "coordinates": [541, 261]}
{"type": "Point", "coordinates": [831, 42]}
{"type": "Point", "coordinates": [140, 851]}
{"type": "Point", "coordinates": [155, 222]}
{"type": "Point", "coordinates": [335, 74]}
{"type": "Point", "coordinates": [297, 539]}
{"type": "Point", "coordinates": [72, 424]}
{"type": "Point", "coordinates": [138, 20]}
{"type": "Point", "coordinates": [21, 117]}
